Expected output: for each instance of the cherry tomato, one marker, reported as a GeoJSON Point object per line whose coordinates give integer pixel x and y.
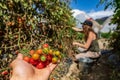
{"type": "Point", "coordinates": [26, 58]}
{"type": "Point", "coordinates": [16, 52]}
{"type": "Point", "coordinates": [57, 53]}
{"type": "Point", "coordinates": [45, 50]}
{"type": "Point", "coordinates": [39, 51]}
{"type": "Point", "coordinates": [45, 45]}
{"type": "Point", "coordinates": [32, 52]}
{"type": "Point", "coordinates": [43, 58]}
{"type": "Point", "coordinates": [47, 63]}
{"type": "Point", "coordinates": [50, 51]}
{"type": "Point", "coordinates": [60, 46]}
{"type": "Point", "coordinates": [54, 60]}
{"type": "Point", "coordinates": [49, 57]}
{"type": "Point", "coordinates": [4, 72]}
{"type": "Point", "coordinates": [35, 56]}
{"type": "Point", "coordinates": [33, 62]}
{"type": "Point", "coordinates": [20, 20]}
{"type": "Point", "coordinates": [40, 65]}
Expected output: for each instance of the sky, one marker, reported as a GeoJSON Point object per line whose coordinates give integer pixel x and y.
{"type": "Point", "coordinates": [90, 8]}
{"type": "Point", "coordinates": [85, 9]}
{"type": "Point", "coordinates": [86, 5]}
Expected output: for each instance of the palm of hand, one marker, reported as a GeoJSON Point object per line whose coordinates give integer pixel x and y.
{"type": "Point", "coordinates": [25, 71]}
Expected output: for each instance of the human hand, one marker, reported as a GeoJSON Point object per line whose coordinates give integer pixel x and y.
{"type": "Point", "coordinates": [77, 29]}
{"type": "Point", "coordinates": [75, 43]}
{"type": "Point", "coordinates": [25, 71]}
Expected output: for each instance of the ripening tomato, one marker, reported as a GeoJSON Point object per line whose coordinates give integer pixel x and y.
{"type": "Point", "coordinates": [50, 52]}
{"type": "Point", "coordinates": [60, 56]}
{"type": "Point", "coordinates": [26, 58]}
{"type": "Point", "coordinates": [54, 60]}
{"type": "Point", "coordinates": [16, 52]}
{"type": "Point", "coordinates": [19, 20]}
{"type": "Point", "coordinates": [60, 46]}
{"type": "Point", "coordinates": [35, 56]}
{"type": "Point", "coordinates": [45, 45]}
{"type": "Point", "coordinates": [52, 79]}
{"type": "Point", "coordinates": [32, 52]}
{"type": "Point", "coordinates": [43, 58]}
{"type": "Point", "coordinates": [39, 51]}
{"type": "Point", "coordinates": [45, 50]}
{"type": "Point", "coordinates": [57, 53]}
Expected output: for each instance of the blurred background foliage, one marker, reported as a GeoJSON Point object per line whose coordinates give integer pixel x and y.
{"type": "Point", "coordinates": [27, 24]}
{"type": "Point", "coordinates": [114, 40]}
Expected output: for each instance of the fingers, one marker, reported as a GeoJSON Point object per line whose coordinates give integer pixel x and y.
{"type": "Point", "coordinates": [52, 66]}
{"type": "Point", "coordinates": [77, 29]}
{"type": "Point", "coordinates": [20, 56]}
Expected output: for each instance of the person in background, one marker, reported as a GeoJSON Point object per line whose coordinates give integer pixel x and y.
{"type": "Point", "coordinates": [22, 70]}
{"type": "Point", "coordinates": [90, 49]}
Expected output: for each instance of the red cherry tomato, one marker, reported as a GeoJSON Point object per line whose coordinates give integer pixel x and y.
{"type": "Point", "coordinates": [33, 62]}
{"type": "Point", "coordinates": [16, 52]}
{"type": "Point", "coordinates": [4, 72]}
{"type": "Point", "coordinates": [45, 45]}
{"type": "Point", "coordinates": [40, 65]}
{"type": "Point", "coordinates": [47, 63]}
{"type": "Point", "coordinates": [49, 57]}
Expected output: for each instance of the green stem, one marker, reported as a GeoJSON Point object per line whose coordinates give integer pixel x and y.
{"type": "Point", "coordinates": [3, 69]}
{"type": "Point", "coordinates": [19, 38]}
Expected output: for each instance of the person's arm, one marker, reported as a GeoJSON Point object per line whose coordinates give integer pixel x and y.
{"type": "Point", "coordinates": [87, 44]}
{"type": "Point", "coordinates": [77, 29]}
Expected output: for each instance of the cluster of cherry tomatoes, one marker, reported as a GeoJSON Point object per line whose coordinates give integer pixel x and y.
{"type": "Point", "coordinates": [41, 57]}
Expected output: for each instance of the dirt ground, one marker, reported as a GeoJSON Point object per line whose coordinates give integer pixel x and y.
{"type": "Point", "coordinates": [103, 44]}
